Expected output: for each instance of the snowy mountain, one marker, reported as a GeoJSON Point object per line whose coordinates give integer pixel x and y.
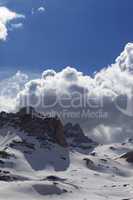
{"type": "Point", "coordinates": [40, 158]}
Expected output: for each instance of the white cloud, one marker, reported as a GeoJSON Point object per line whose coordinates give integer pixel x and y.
{"type": "Point", "coordinates": [41, 9]}
{"type": "Point", "coordinates": [125, 60]}
{"type": "Point", "coordinates": [6, 16]}
{"type": "Point", "coordinates": [9, 89]}
{"type": "Point", "coordinates": [16, 26]}
{"type": "Point", "coordinates": [104, 88]}
{"type": "Point", "coordinates": [32, 11]}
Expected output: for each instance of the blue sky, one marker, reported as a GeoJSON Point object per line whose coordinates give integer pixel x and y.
{"type": "Point", "coordinates": [86, 34]}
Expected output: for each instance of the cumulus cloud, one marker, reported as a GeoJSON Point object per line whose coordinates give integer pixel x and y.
{"type": "Point", "coordinates": [41, 9]}
{"type": "Point", "coordinates": [16, 26]}
{"type": "Point", "coordinates": [98, 103]}
{"type": "Point", "coordinates": [125, 60]}
{"type": "Point", "coordinates": [6, 16]}
{"type": "Point", "coordinates": [9, 89]}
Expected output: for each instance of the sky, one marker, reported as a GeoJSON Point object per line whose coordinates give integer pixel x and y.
{"type": "Point", "coordinates": [87, 35]}
{"type": "Point", "coordinates": [39, 39]}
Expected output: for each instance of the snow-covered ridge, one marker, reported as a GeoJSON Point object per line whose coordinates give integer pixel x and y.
{"type": "Point", "coordinates": [36, 164]}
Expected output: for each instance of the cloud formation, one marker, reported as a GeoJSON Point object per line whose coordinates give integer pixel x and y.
{"type": "Point", "coordinates": [41, 9]}
{"type": "Point", "coordinates": [9, 89]}
{"type": "Point", "coordinates": [16, 26]}
{"type": "Point", "coordinates": [98, 103]}
{"type": "Point", "coordinates": [125, 60]}
{"type": "Point", "coordinates": [6, 16]}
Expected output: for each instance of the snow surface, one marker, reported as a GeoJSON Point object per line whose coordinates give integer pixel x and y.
{"type": "Point", "coordinates": [48, 171]}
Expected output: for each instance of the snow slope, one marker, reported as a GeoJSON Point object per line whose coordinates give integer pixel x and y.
{"type": "Point", "coordinates": [42, 170]}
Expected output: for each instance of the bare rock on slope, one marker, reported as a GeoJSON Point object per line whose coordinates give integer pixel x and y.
{"type": "Point", "coordinates": [128, 156]}
{"type": "Point", "coordinates": [35, 123]}
{"type": "Point", "coordinates": [76, 137]}
{"type": "Point", "coordinates": [58, 129]}
{"type": "Point", "coordinates": [28, 120]}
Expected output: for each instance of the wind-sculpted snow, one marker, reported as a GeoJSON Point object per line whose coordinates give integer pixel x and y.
{"type": "Point", "coordinates": [32, 167]}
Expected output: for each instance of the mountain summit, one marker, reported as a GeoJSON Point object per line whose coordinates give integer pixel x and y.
{"type": "Point", "coordinates": [33, 123]}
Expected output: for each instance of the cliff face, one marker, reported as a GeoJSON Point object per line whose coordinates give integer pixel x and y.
{"type": "Point", "coordinates": [33, 123]}
{"type": "Point", "coordinates": [76, 137]}
{"type": "Point", "coordinates": [52, 129]}
{"type": "Point", "coordinates": [57, 128]}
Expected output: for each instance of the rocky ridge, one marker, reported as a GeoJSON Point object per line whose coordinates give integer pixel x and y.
{"type": "Point", "coordinates": [53, 129]}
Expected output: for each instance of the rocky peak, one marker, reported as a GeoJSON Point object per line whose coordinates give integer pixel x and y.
{"type": "Point", "coordinates": [26, 111]}
{"type": "Point", "coordinates": [29, 121]}
{"type": "Point", "coordinates": [34, 123]}
{"type": "Point", "coordinates": [76, 137]}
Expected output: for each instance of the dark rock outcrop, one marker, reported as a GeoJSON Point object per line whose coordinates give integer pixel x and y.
{"type": "Point", "coordinates": [76, 137]}
{"type": "Point", "coordinates": [89, 163]}
{"type": "Point", "coordinates": [50, 128]}
{"type": "Point", "coordinates": [6, 176]}
{"type": "Point", "coordinates": [28, 120]}
{"type": "Point", "coordinates": [128, 157]}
